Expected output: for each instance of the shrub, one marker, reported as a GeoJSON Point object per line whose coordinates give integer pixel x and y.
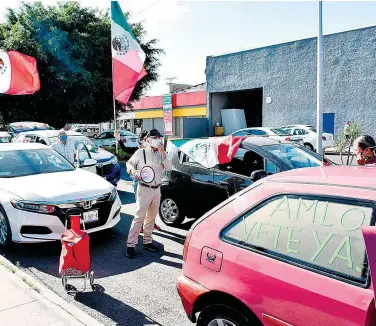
{"type": "Point", "coordinates": [121, 155]}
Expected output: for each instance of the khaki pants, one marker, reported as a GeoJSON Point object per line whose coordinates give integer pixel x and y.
{"type": "Point", "coordinates": [147, 206]}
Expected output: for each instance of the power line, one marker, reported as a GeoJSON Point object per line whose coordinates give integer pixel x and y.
{"type": "Point", "coordinates": [146, 8]}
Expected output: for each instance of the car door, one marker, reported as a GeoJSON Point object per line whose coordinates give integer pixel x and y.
{"type": "Point", "coordinates": [82, 154]}
{"type": "Point", "coordinates": [197, 186]}
{"type": "Point", "coordinates": [236, 175]}
{"type": "Point", "coordinates": [308, 257]}
{"type": "Point", "coordinates": [109, 139]}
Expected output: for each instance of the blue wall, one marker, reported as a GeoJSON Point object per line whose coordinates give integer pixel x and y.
{"type": "Point", "coordinates": [287, 74]}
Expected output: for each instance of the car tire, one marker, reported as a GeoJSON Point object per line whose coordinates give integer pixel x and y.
{"type": "Point", "coordinates": [211, 316]}
{"type": "Point", "coordinates": [5, 230]}
{"type": "Point", "coordinates": [171, 212]}
{"type": "Point", "coordinates": [309, 146]}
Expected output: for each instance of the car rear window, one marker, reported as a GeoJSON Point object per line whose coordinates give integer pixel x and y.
{"type": "Point", "coordinates": [319, 233]}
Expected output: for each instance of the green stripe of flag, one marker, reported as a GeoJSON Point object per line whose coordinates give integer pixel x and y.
{"type": "Point", "coordinates": [118, 17]}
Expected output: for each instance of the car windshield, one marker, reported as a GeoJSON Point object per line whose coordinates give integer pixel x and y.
{"type": "Point", "coordinates": [295, 157]}
{"type": "Point", "coordinates": [280, 131]}
{"type": "Point", "coordinates": [20, 163]}
{"type": "Point", "coordinates": [79, 139]}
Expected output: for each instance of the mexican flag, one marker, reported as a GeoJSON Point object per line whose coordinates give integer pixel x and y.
{"type": "Point", "coordinates": [210, 151]}
{"type": "Point", "coordinates": [18, 73]}
{"type": "Point", "coordinates": [127, 56]}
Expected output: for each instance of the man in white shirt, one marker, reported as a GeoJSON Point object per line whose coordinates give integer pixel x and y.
{"type": "Point", "coordinates": [64, 146]}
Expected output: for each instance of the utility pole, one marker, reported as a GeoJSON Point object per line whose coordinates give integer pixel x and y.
{"type": "Point", "coordinates": [319, 82]}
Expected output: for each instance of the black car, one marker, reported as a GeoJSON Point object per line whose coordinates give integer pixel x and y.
{"type": "Point", "coordinates": [191, 189]}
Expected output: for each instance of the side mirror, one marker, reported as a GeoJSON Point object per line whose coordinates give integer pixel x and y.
{"type": "Point", "coordinates": [258, 174]}
{"type": "Point", "coordinates": [89, 162]}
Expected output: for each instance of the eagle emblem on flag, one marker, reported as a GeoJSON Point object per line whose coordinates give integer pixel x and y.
{"type": "Point", "coordinates": [120, 44]}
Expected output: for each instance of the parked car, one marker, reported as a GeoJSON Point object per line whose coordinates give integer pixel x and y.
{"type": "Point", "coordinates": [37, 187]}
{"type": "Point", "coordinates": [309, 135]}
{"type": "Point", "coordinates": [88, 130]}
{"type": "Point", "coordinates": [273, 133]}
{"type": "Point", "coordinates": [17, 127]}
{"type": "Point", "coordinates": [190, 182]}
{"type": "Point", "coordinates": [5, 137]}
{"type": "Point", "coordinates": [107, 139]}
{"type": "Point", "coordinates": [107, 164]}
{"type": "Point", "coordinates": [288, 250]}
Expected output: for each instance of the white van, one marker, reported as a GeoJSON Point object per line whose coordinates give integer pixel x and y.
{"type": "Point", "coordinates": [89, 130]}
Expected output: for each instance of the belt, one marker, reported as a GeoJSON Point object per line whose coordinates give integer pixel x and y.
{"type": "Point", "coordinates": [147, 186]}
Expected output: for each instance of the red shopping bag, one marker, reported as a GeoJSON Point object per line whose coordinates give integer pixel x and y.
{"type": "Point", "coordinates": [75, 251]}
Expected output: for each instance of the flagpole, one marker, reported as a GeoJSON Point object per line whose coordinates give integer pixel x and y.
{"type": "Point", "coordinates": [319, 82]}
{"type": "Point", "coordinates": [113, 103]}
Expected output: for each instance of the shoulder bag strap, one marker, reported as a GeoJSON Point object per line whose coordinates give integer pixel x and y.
{"type": "Point", "coordinates": [144, 155]}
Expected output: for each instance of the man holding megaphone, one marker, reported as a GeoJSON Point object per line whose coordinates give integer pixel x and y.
{"type": "Point", "coordinates": [147, 166]}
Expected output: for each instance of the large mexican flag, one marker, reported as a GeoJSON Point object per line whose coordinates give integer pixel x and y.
{"type": "Point", "coordinates": [127, 56]}
{"type": "Point", "coordinates": [210, 151]}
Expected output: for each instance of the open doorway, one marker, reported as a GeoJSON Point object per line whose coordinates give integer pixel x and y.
{"type": "Point", "coordinates": [249, 100]}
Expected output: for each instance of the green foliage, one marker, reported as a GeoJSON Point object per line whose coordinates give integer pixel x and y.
{"type": "Point", "coordinates": [345, 141]}
{"type": "Point", "coordinates": [72, 48]}
{"type": "Point", "coordinates": [121, 155]}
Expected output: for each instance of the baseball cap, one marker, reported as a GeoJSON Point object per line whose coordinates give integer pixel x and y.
{"type": "Point", "coordinates": [154, 133]}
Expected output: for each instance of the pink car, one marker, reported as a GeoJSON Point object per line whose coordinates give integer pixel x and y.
{"type": "Point", "coordinates": [288, 250]}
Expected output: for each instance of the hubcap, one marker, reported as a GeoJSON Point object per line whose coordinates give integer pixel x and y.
{"type": "Point", "coordinates": [169, 210]}
{"type": "Point", "coordinates": [3, 230]}
{"type": "Point", "coordinates": [221, 322]}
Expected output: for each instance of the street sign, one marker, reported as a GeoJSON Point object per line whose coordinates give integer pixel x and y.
{"type": "Point", "coordinates": [167, 114]}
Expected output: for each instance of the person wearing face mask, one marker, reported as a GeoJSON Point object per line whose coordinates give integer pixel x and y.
{"type": "Point", "coordinates": [365, 150]}
{"type": "Point", "coordinates": [148, 194]}
{"type": "Point", "coordinates": [65, 146]}
{"type": "Point", "coordinates": [142, 143]}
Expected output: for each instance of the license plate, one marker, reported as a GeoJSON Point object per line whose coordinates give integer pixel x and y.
{"type": "Point", "coordinates": [91, 216]}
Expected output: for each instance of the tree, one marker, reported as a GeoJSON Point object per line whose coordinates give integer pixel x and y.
{"type": "Point", "coordinates": [72, 48]}
{"type": "Point", "coordinates": [345, 141]}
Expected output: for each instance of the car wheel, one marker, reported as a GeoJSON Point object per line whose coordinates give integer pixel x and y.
{"type": "Point", "coordinates": [308, 146]}
{"type": "Point", "coordinates": [5, 230]}
{"type": "Point", "coordinates": [171, 212]}
{"type": "Point", "coordinates": [221, 315]}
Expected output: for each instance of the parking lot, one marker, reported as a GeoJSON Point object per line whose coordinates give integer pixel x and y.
{"type": "Point", "coordinates": [129, 292]}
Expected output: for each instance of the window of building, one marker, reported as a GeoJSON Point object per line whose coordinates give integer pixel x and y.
{"type": "Point", "coordinates": [318, 233]}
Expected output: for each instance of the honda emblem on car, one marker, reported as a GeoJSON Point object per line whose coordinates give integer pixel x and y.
{"type": "Point", "coordinates": [87, 204]}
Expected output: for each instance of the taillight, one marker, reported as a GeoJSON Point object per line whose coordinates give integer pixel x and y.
{"type": "Point", "coordinates": [288, 139]}
{"type": "Point", "coordinates": [186, 245]}
{"type": "Point", "coordinates": [323, 138]}
{"type": "Point", "coordinates": [124, 140]}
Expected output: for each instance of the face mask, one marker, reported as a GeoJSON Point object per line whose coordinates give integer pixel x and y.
{"type": "Point", "coordinates": [155, 142]}
{"type": "Point", "coordinates": [63, 137]}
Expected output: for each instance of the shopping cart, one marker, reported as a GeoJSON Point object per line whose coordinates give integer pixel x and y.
{"type": "Point", "coordinates": [75, 252]}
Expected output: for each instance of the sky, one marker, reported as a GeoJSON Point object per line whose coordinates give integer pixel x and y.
{"type": "Point", "coordinates": [189, 31]}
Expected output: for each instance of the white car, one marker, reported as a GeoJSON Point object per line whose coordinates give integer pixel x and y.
{"type": "Point", "coordinates": [38, 186]}
{"type": "Point", "coordinates": [272, 133]}
{"type": "Point", "coordinates": [107, 139]}
{"type": "Point", "coordinates": [5, 137]}
{"type": "Point", "coordinates": [309, 135]}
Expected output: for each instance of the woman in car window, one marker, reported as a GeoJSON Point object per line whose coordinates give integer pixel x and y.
{"type": "Point", "coordinates": [365, 147]}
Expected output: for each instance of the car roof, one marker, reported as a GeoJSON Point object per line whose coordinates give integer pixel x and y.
{"type": "Point", "coordinates": [260, 141]}
{"type": "Point", "coordinates": [49, 133]}
{"type": "Point", "coordinates": [349, 176]}
{"type": "Point", "coordinates": [21, 146]}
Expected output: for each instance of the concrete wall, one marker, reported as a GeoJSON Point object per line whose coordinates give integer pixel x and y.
{"type": "Point", "coordinates": [287, 74]}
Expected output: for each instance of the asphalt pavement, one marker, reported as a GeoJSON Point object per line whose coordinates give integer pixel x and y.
{"type": "Point", "coordinates": [128, 292]}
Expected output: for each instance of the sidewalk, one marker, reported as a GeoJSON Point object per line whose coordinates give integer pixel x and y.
{"type": "Point", "coordinates": [24, 301]}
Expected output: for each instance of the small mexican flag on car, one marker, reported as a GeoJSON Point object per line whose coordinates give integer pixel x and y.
{"type": "Point", "coordinates": [210, 151]}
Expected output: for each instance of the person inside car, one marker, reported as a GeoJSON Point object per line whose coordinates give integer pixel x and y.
{"type": "Point", "coordinates": [365, 147]}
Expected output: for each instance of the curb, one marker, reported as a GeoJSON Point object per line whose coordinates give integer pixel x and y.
{"type": "Point", "coordinates": [51, 296]}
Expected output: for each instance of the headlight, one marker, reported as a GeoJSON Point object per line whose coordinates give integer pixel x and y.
{"type": "Point", "coordinates": [114, 160]}
{"type": "Point", "coordinates": [38, 208]}
{"type": "Point", "coordinates": [113, 194]}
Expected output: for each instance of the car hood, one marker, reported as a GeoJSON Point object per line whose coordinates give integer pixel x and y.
{"type": "Point", "coordinates": [101, 155]}
{"type": "Point", "coordinates": [56, 187]}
